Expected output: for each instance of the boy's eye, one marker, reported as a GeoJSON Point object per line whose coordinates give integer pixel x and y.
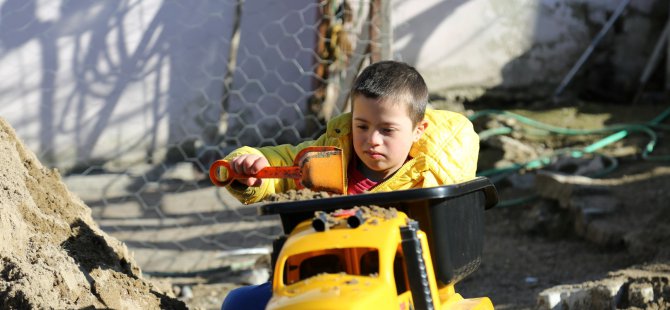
{"type": "Point", "coordinates": [363, 127]}
{"type": "Point", "coordinates": [387, 130]}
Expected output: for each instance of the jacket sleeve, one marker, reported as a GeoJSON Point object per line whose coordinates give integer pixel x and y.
{"type": "Point", "coordinates": [281, 155]}
{"type": "Point", "coordinates": [464, 151]}
{"type": "Point", "coordinates": [450, 147]}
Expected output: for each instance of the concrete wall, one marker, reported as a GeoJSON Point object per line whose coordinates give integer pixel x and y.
{"type": "Point", "coordinates": [469, 46]}
{"type": "Point", "coordinates": [88, 81]}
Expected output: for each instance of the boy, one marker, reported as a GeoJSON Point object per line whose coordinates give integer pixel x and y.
{"type": "Point", "coordinates": [397, 144]}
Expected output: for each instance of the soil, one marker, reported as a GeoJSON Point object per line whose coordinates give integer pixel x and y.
{"type": "Point", "coordinates": [537, 249]}
{"type": "Point", "coordinates": [301, 194]}
{"type": "Point", "coordinates": [52, 253]}
{"type": "Point", "coordinates": [580, 234]}
{"type": "Point", "coordinates": [590, 242]}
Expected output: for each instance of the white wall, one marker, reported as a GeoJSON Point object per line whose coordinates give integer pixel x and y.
{"type": "Point", "coordinates": [480, 44]}
{"type": "Point", "coordinates": [86, 80]}
{"type": "Point", "coordinates": [98, 80]}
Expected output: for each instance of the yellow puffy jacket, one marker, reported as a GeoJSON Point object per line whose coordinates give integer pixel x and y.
{"type": "Point", "coordinates": [446, 154]}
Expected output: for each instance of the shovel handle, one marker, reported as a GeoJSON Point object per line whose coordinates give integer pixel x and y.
{"type": "Point", "coordinates": [291, 172]}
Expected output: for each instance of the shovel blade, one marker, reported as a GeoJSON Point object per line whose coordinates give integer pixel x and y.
{"type": "Point", "coordinates": [322, 169]}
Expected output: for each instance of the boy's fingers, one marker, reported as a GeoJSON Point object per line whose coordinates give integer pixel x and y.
{"type": "Point", "coordinates": [258, 164]}
{"type": "Point", "coordinates": [237, 165]}
{"type": "Point", "coordinates": [253, 182]}
{"type": "Point", "coordinates": [249, 165]}
{"type": "Point", "coordinates": [242, 164]}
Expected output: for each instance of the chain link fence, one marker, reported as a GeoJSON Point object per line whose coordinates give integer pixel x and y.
{"type": "Point", "coordinates": [133, 100]}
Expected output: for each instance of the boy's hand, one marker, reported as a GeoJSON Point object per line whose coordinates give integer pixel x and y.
{"type": "Point", "coordinates": [249, 164]}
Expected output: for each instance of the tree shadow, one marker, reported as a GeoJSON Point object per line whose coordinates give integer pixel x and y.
{"type": "Point", "coordinates": [108, 65]}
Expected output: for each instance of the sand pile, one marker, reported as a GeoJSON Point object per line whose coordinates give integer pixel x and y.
{"type": "Point", "coordinates": [52, 253]}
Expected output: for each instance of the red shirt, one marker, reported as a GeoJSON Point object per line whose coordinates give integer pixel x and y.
{"type": "Point", "coordinates": [357, 183]}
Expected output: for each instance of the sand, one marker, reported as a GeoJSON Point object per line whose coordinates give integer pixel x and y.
{"type": "Point", "coordinates": [52, 253]}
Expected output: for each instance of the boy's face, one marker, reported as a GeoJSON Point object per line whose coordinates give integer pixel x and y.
{"type": "Point", "coordinates": [382, 135]}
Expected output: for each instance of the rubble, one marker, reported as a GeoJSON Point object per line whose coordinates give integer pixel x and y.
{"type": "Point", "coordinates": [638, 288]}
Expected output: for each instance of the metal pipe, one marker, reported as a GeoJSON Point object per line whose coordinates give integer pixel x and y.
{"type": "Point", "coordinates": [589, 50]}
{"type": "Point", "coordinates": [652, 62]}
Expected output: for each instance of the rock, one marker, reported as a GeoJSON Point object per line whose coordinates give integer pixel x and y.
{"type": "Point", "coordinates": [640, 294]}
{"type": "Point", "coordinates": [604, 294]}
{"type": "Point", "coordinates": [563, 187]}
{"type": "Point", "coordinates": [641, 287]}
{"type": "Point", "coordinates": [546, 218]}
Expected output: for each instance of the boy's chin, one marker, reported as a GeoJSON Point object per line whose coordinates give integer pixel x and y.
{"type": "Point", "coordinates": [377, 168]}
{"type": "Point", "coordinates": [374, 165]}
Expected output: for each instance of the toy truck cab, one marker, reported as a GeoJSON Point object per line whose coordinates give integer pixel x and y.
{"type": "Point", "coordinates": [348, 268]}
{"type": "Point", "coordinates": [383, 259]}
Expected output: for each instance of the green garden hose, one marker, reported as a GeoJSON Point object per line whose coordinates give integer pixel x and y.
{"type": "Point", "coordinates": [615, 133]}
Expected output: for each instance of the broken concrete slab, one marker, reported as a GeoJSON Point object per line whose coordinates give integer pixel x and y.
{"type": "Point", "coordinates": [546, 218]}
{"type": "Point", "coordinates": [562, 187]}
{"type": "Point", "coordinates": [593, 206]}
{"type": "Point", "coordinates": [588, 202]}
{"type": "Point", "coordinates": [640, 294]}
{"type": "Point", "coordinates": [643, 287]}
{"type": "Point", "coordinates": [600, 232]}
{"type": "Point", "coordinates": [590, 295]}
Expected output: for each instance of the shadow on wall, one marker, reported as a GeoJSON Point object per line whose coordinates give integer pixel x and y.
{"type": "Point", "coordinates": [611, 71]}
{"type": "Point", "coordinates": [421, 27]}
{"type": "Point", "coordinates": [100, 77]}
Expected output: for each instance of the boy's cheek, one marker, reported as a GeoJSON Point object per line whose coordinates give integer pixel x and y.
{"type": "Point", "coordinates": [356, 139]}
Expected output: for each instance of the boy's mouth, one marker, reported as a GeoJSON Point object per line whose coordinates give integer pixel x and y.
{"type": "Point", "coordinates": [374, 155]}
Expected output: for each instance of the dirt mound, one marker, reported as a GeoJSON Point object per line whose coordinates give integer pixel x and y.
{"type": "Point", "coordinates": [52, 254]}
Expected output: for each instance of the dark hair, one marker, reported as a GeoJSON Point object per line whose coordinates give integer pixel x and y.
{"type": "Point", "coordinates": [397, 81]}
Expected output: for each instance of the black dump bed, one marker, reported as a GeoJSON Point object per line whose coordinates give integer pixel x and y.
{"type": "Point", "coordinates": [451, 215]}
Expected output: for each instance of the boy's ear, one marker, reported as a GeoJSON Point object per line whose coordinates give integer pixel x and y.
{"type": "Point", "coordinates": [420, 129]}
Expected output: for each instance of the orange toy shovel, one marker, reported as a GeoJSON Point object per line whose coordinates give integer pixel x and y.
{"type": "Point", "coordinates": [318, 168]}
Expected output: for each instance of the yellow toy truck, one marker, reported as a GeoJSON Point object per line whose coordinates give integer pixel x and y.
{"type": "Point", "coordinates": [397, 250]}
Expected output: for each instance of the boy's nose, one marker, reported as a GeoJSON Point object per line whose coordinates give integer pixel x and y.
{"type": "Point", "coordinates": [375, 138]}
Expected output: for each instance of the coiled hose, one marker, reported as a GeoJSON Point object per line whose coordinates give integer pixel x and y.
{"type": "Point", "coordinates": [614, 133]}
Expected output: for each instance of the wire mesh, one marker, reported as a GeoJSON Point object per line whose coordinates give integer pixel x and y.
{"type": "Point", "coordinates": [133, 100]}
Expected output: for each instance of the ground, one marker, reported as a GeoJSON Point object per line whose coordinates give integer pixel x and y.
{"type": "Point", "coordinates": [553, 231]}
{"type": "Point", "coordinates": [534, 246]}
{"type": "Point", "coordinates": [518, 264]}
{"type": "Point", "coordinates": [538, 244]}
